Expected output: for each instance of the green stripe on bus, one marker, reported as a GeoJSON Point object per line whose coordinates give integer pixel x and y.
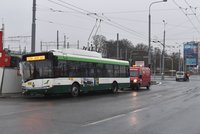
{"type": "Point", "coordinates": [103, 61]}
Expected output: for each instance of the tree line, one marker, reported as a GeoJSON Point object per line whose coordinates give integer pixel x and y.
{"type": "Point", "coordinates": [139, 52]}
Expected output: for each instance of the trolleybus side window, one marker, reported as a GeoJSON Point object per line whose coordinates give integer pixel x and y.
{"type": "Point", "coordinates": [100, 70]}
{"type": "Point", "coordinates": [91, 69]}
{"type": "Point", "coordinates": [116, 71]}
{"type": "Point", "coordinates": [73, 68]}
{"type": "Point", "coordinates": [61, 70]}
{"type": "Point", "coordinates": [83, 69]}
{"type": "Point", "coordinates": [108, 70]}
{"type": "Point", "coordinates": [124, 71]}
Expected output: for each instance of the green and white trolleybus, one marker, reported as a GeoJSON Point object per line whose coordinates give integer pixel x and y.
{"type": "Point", "coordinates": [72, 71]}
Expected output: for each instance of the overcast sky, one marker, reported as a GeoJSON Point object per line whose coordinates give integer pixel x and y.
{"type": "Point", "coordinates": [129, 18]}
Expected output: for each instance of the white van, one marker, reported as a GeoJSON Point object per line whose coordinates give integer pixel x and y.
{"type": "Point", "coordinates": [180, 75]}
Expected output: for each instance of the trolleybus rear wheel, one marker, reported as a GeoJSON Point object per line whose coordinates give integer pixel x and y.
{"type": "Point", "coordinates": [114, 87]}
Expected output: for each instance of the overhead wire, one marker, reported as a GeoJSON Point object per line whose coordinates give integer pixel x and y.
{"type": "Point", "coordinates": [186, 16]}
{"type": "Point", "coordinates": [123, 26]}
{"type": "Point", "coordinates": [57, 23]}
{"type": "Point", "coordinates": [103, 17]}
{"type": "Point", "coordinates": [74, 6]}
{"type": "Point", "coordinates": [192, 11]}
{"type": "Point", "coordinates": [138, 11]}
{"type": "Point", "coordinates": [97, 16]}
{"type": "Point", "coordinates": [52, 1]}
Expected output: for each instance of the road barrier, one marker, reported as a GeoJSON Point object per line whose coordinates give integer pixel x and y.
{"type": "Point", "coordinates": [10, 82]}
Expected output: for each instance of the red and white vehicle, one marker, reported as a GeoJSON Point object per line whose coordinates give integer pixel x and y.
{"type": "Point", "coordinates": [140, 77]}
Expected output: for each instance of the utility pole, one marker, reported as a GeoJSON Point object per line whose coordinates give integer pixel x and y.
{"type": "Point", "coordinates": [160, 65]}
{"type": "Point", "coordinates": [117, 45]}
{"type": "Point", "coordinates": [149, 25]}
{"type": "Point", "coordinates": [57, 39]}
{"type": "Point", "coordinates": [33, 27]}
{"type": "Point", "coordinates": [149, 49]}
{"type": "Point", "coordinates": [163, 56]}
{"type": "Point", "coordinates": [64, 41]}
{"type": "Point", "coordinates": [126, 56]}
{"type": "Point", "coordinates": [77, 44]}
{"type": "Point", "coordinates": [67, 44]}
{"type": "Point", "coordinates": [154, 63]}
{"type": "Point", "coordinates": [2, 37]}
{"type": "Point", "coordinates": [41, 46]}
{"type": "Point", "coordinates": [179, 62]}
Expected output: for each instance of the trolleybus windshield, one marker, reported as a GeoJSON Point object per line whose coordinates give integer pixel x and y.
{"type": "Point", "coordinates": [134, 73]}
{"type": "Point", "coordinates": [37, 69]}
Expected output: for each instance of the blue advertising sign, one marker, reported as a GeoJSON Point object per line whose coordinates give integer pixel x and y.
{"type": "Point", "coordinates": [191, 61]}
{"type": "Point", "coordinates": [191, 53]}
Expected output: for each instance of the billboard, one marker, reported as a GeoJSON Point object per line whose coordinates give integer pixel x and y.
{"type": "Point", "coordinates": [198, 54]}
{"type": "Point", "coordinates": [191, 53]}
{"type": "Point", "coordinates": [191, 61]}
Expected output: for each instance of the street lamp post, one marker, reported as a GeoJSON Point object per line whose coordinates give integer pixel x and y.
{"type": "Point", "coordinates": [163, 54]}
{"type": "Point", "coordinates": [179, 60]}
{"type": "Point", "coordinates": [179, 56]}
{"type": "Point", "coordinates": [162, 69]}
{"type": "Point", "coordinates": [33, 27]}
{"type": "Point", "coordinates": [149, 50]}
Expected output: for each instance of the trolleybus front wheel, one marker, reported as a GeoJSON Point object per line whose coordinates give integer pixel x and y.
{"type": "Point", "coordinates": [75, 90]}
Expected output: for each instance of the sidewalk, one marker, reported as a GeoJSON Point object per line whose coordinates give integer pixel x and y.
{"type": "Point", "coordinates": [166, 78]}
{"type": "Point", "coordinates": [157, 79]}
{"type": "Point", "coordinates": [11, 95]}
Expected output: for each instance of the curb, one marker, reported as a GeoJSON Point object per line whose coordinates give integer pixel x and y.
{"type": "Point", "coordinates": [11, 95]}
{"type": "Point", "coordinates": [154, 82]}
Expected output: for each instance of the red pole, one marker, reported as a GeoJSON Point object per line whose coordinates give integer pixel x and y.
{"type": "Point", "coordinates": [1, 40]}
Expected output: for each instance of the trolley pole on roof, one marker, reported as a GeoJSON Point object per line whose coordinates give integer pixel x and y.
{"type": "Point", "coordinates": [33, 27]}
{"type": "Point", "coordinates": [117, 45]}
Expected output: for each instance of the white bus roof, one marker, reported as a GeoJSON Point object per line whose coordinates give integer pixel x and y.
{"type": "Point", "coordinates": [86, 56]}
{"type": "Point", "coordinates": [77, 52]}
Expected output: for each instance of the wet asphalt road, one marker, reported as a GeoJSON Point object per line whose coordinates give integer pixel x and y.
{"type": "Point", "coordinates": [168, 108]}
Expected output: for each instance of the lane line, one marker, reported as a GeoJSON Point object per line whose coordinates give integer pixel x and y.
{"type": "Point", "coordinates": [104, 120]}
{"type": "Point", "coordinates": [139, 110]}
{"type": "Point", "coordinates": [19, 112]}
{"type": "Point", "coordinates": [157, 96]}
{"type": "Point", "coordinates": [114, 117]}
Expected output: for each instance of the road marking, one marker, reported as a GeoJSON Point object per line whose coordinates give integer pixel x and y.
{"type": "Point", "coordinates": [139, 110]}
{"type": "Point", "coordinates": [104, 120]}
{"type": "Point", "coordinates": [157, 96]}
{"type": "Point", "coordinates": [114, 117]}
{"type": "Point", "coordinates": [11, 113]}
